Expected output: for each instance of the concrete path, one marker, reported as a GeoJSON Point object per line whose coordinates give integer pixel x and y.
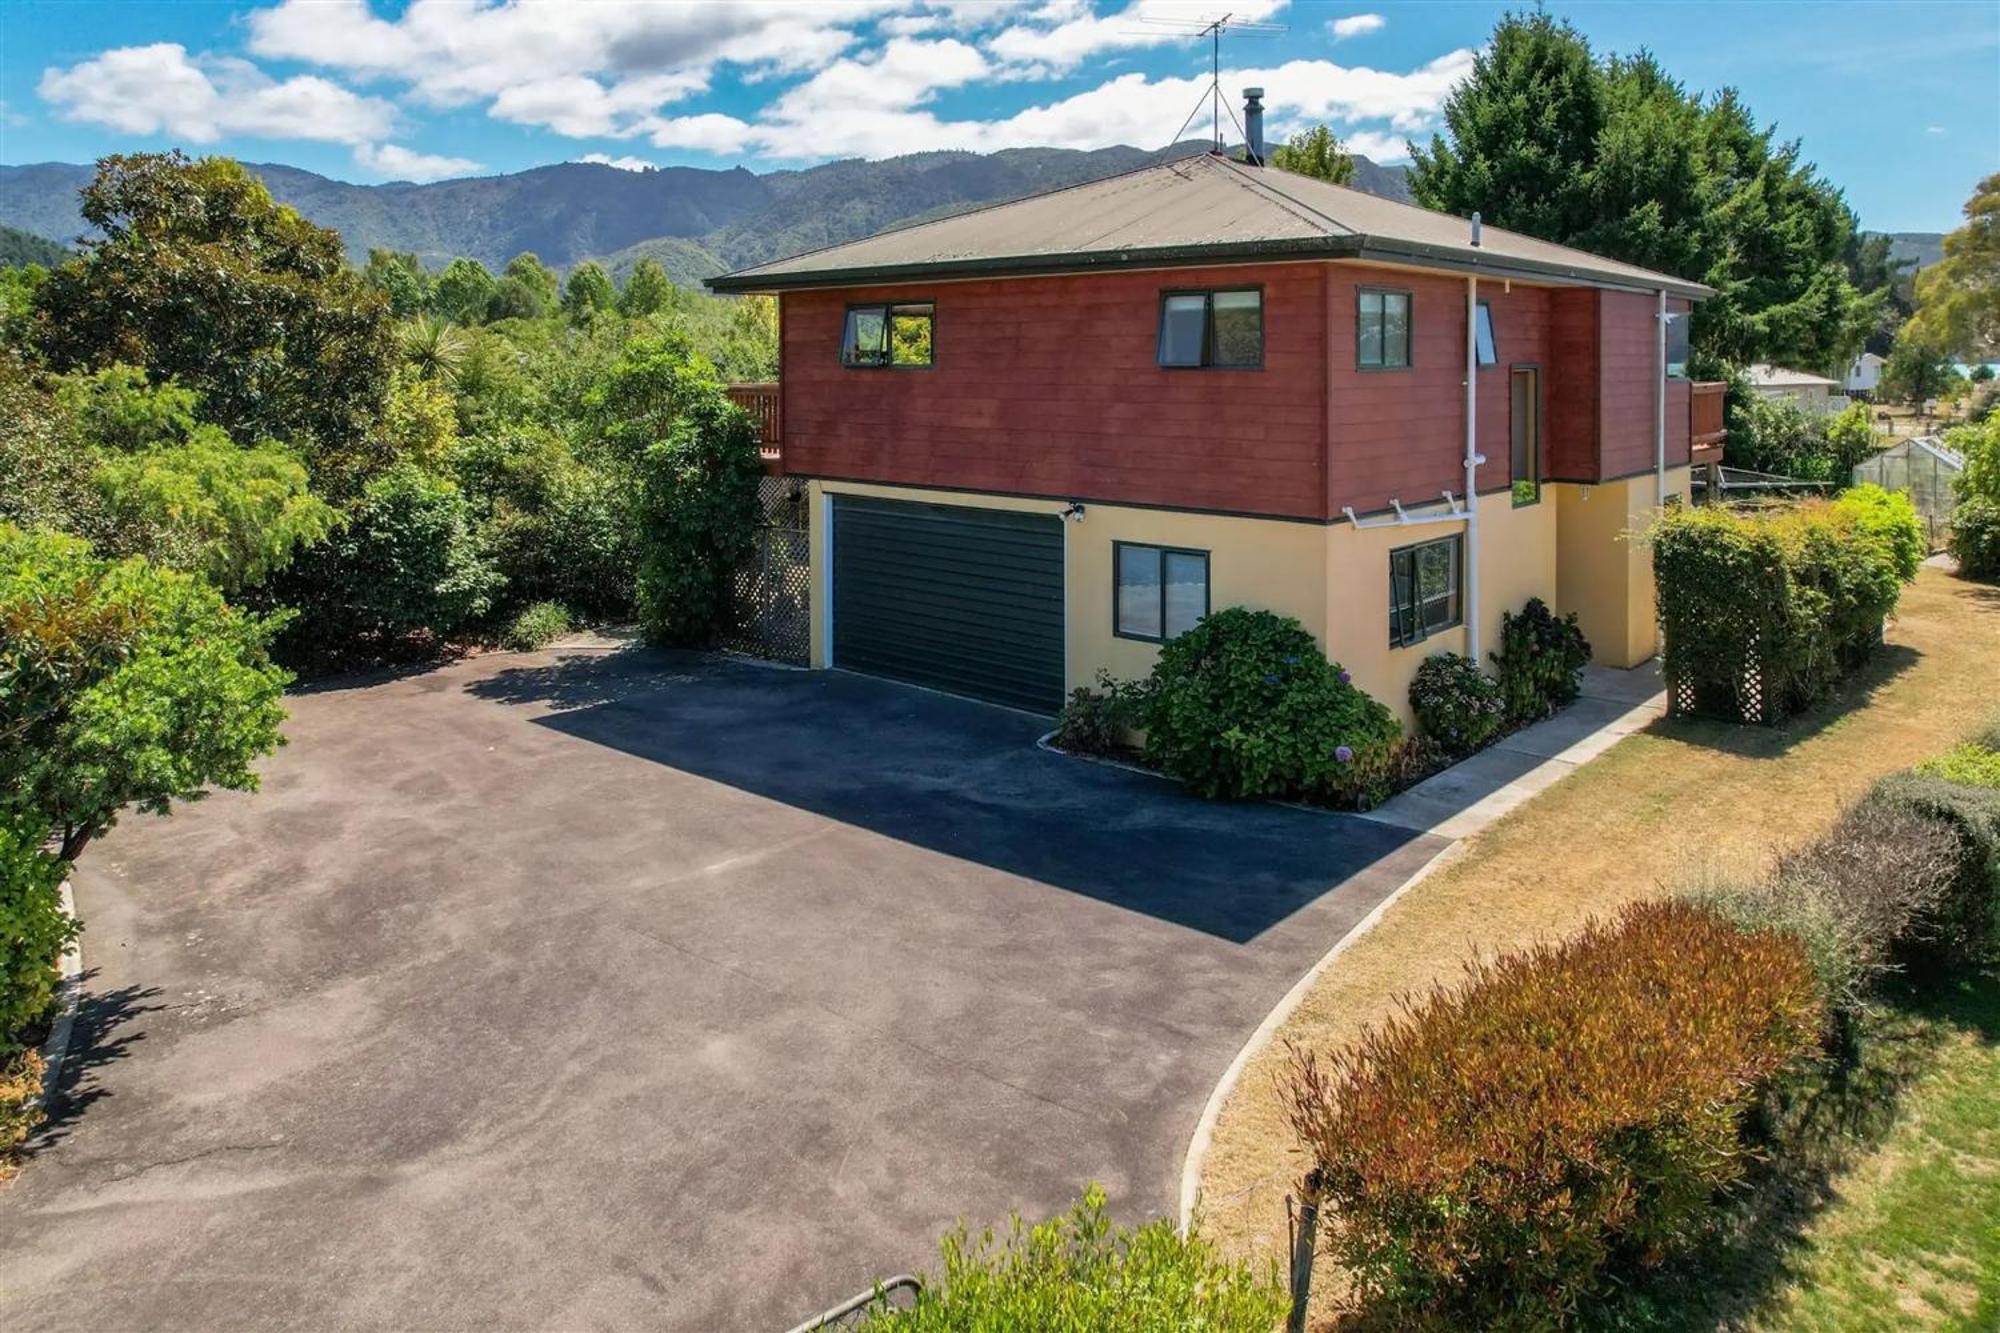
{"type": "Point", "coordinates": [606, 989]}
{"type": "Point", "coordinates": [1468, 796]}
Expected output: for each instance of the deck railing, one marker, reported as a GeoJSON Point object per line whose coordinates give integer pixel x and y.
{"type": "Point", "coordinates": [760, 401]}
{"type": "Point", "coordinates": [1706, 433]}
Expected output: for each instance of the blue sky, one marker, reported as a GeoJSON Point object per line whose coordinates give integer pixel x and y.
{"type": "Point", "coordinates": [1899, 103]}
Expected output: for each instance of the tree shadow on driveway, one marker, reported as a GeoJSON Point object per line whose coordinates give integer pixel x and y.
{"type": "Point", "coordinates": [965, 780]}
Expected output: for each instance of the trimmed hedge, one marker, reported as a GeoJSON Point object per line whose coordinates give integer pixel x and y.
{"type": "Point", "coordinates": [1082, 1272]}
{"type": "Point", "coordinates": [1761, 614]}
{"type": "Point", "coordinates": [1503, 1149]}
{"type": "Point", "coordinates": [1964, 928]}
{"type": "Point", "coordinates": [1975, 539]}
{"type": "Point", "coordinates": [1245, 705]}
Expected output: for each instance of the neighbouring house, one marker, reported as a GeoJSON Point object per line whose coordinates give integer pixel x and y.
{"type": "Point", "coordinates": [1042, 437]}
{"type": "Point", "coordinates": [1865, 375]}
{"type": "Point", "coordinates": [1815, 393]}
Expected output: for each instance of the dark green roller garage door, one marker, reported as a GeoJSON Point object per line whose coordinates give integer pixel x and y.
{"type": "Point", "coordinates": [956, 598]}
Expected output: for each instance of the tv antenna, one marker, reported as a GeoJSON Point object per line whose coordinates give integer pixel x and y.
{"type": "Point", "coordinates": [1213, 30]}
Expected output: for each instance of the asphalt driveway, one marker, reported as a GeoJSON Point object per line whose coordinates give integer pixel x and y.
{"type": "Point", "coordinates": [621, 989]}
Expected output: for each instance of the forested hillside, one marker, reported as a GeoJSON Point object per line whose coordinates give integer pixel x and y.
{"type": "Point", "coordinates": [692, 222]}
{"type": "Point", "coordinates": [20, 247]}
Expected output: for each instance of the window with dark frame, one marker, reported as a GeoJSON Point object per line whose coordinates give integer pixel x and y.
{"type": "Point", "coordinates": [1488, 349]}
{"type": "Point", "coordinates": [1159, 591]}
{"type": "Point", "coordinates": [1524, 421]}
{"type": "Point", "coordinates": [1212, 330]}
{"type": "Point", "coordinates": [894, 337]}
{"type": "Point", "coordinates": [1424, 590]}
{"type": "Point", "coordinates": [1382, 330]}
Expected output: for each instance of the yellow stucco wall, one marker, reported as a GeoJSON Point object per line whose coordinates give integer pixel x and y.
{"type": "Point", "coordinates": [1603, 572]}
{"type": "Point", "coordinates": [1334, 578]}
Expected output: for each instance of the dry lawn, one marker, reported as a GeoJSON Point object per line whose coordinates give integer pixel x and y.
{"type": "Point", "coordinates": [1619, 829]}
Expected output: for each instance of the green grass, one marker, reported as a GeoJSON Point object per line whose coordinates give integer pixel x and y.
{"type": "Point", "coordinates": [1880, 1207]}
{"type": "Point", "coordinates": [1911, 1238]}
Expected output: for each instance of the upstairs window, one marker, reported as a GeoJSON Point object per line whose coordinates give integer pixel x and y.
{"type": "Point", "coordinates": [896, 336]}
{"type": "Point", "coordinates": [1382, 335]}
{"type": "Point", "coordinates": [1488, 351]}
{"type": "Point", "coordinates": [1677, 346]}
{"type": "Point", "coordinates": [1221, 330]}
{"type": "Point", "coordinates": [1423, 590]}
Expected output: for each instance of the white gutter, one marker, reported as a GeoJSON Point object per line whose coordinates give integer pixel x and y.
{"type": "Point", "coordinates": [1660, 404]}
{"type": "Point", "coordinates": [1472, 462]}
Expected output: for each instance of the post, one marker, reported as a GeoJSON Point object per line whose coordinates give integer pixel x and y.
{"type": "Point", "coordinates": [1472, 461]}
{"type": "Point", "coordinates": [1660, 403]}
{"type": "Point", "coordinates": [1305, 1231]}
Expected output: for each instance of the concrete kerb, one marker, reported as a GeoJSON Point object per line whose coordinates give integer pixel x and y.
{"type": "Point", "coordinates": [69, 991]}
{"type": "Point", "coordinates": [1204, 1130]}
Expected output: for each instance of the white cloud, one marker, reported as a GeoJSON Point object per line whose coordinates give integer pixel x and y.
{"type": "Point", "coordinates": [159, 89]}
{"type": "Point", "coordinates": [1136, 109]}
{"type": "Point", "coordinates": [1376, 146]}
{"type": "Point", "coordinates": [641, 56]}
{"type": "Point", "coordinates": [622, 163]}
{"type": "Point", "coordinates": [1062, 34]}
{"type": "Point", "coordinates": [710, 132]}
{"type": "Point", "coordinates": [399, 163]}
{"type": "Point", "coordinates": [1356, 25]}
{"type": "Point", "coordinates": [1933, 129]}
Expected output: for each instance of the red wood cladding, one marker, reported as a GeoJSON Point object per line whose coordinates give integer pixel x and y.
{"type": "Point", "coordinates": [1050, 386]}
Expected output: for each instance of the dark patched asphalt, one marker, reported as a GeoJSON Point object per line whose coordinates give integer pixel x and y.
{"type": "Point", "coordinates": [618, 989]}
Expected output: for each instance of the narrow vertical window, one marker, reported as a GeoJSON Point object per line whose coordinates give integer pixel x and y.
{"type": "Point", "coordinates": [1488, 351]}
{"type": "Point", "coordinates": [1525, 425]}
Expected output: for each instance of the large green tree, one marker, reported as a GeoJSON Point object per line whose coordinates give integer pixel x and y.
{"type": "Point", "coordinates": [589, 291]}
{"type": "Point", "coordinates": [122, 684]}
{"type": "Point", "coordinates": [1315, 152]}
{"type": "Point", "coordinates": [647, 290]}
{"type": "Point", "coordinates": [1612, 155]}
{"type": "Point", "coordinates": [197, 275]}
{"type": "Point", "coordinates": [1958, 299]}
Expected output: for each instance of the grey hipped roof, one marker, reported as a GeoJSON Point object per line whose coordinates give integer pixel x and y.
{"type": "Point", "coordinates": [1197, 210]}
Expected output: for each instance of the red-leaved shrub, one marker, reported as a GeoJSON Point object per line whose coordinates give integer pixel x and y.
{"type": "Point", "coordinates": [1497, 1150]}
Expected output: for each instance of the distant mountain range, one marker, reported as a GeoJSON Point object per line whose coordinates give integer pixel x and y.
{"type": "Point", "coordinates": [695, 222]}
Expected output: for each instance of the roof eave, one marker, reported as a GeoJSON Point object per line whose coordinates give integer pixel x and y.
{"type": "Point", "coordinates": [1174, 256]}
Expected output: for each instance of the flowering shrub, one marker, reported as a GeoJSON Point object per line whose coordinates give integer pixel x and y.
{"type": "Point", "coordinates": [1501, 1149]}
{"type": "Point", "coordinates": [1246, 705]}
{"type": "Point", "coordinates": [1540, 661]}
{"type": "Point", "coordinates": [1094, 721]}
{"type": "Point", "coordinates": [1458, 706]}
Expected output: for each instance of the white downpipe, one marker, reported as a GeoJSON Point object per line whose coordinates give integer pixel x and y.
{"type": "Point", "coordinates": [1660, 403]}
{"type": "Point", "coordinates": [1472, 462]}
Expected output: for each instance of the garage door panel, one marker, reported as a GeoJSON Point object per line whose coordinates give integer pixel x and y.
{"type": "Point", "coordinates": [954, 597]}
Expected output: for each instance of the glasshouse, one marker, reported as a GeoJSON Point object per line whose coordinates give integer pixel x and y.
{"type": "Point", "coordinates": [1923, 467]}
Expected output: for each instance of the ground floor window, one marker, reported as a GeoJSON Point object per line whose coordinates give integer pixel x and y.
{"type": "Point", "coordinates": [1423, 589]}
{"type": "Point", "coordinates": [1161, 591]}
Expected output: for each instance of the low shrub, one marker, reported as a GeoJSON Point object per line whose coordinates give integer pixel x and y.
{"type": "Point", "coordinates": [1540, 661]}
{"type": "Point", "coordinates": [1082, 1272]}
{"type": "Point", "coordinates": [33, 927]}
{"type": "Point", "coordinates": [1975, 539]}
{"type": "Point", "coordinates": [1964, 927]}
{"type": "Point", "coordinates": [1458, 706]}
{"type": "Point", "coordinates": [1095, 721]}
{"type": "Point", "coordinates": [20, 1104]}
{"type": "Point", "coordinates": [1503, 1148]}
{"type": "Point", "coordinates": [535, 626]}
{"type": "Point", "coordinates": [1245, 705]}
{"type": "Point", "coordinates": [1854, 897]}
{"type": "Point", "coordinates": [1970, 763]}
{"type": "Point", "coordinates": [1761, 614]}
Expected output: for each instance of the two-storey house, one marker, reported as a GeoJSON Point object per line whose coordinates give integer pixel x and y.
{"type": "Point", "coordinates": [1043, 437]}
